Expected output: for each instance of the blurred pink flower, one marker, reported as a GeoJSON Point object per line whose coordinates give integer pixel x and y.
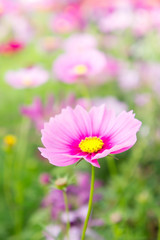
{"type": "Point", "coordinates": [27, 77]}
{"type": "Point", "coordinates": [80, 42]}
{"type": "Point", "coordinates": [79, 193]}
{"type": "Point", "coordinates": [116, 20]}
{"type": "Point", "coordinates": [11, 47]}
{"type": "Point", "coordinates": [72, 101]}
{"type": "Point", "coordinates": [70, 67]}
{"type": "Point", "coordinates": [156, 18]}
{"type": "Point", "coordinates": [68, 20]}
{"type": "Point", "coordinates": [78, 196]}
{"type": "Point", "coordinates": [39, 5]}
{"type": "Point", "coordinates": [8, 7]}
{"type": "Point", "coordinates": [44, 178]}
{"type": "Point", "coordinates": [129, 79]}
{"type": "Point", "coordinates": [49, 44]}
{"type": "Point", "coordinates": [51, 232]}
{"type": "Point", "coordinates": [142, 22]}
{"type": "Point", "coordinates": [150, 74]}
{"type": "Point", "coordinates": [142, 99]}
{"type": "Point", "coordinates": [76, 134]}
{"type": "Point", "coordinates": [22, 30]}
{"type": "Point", "coordinates": [39, 113]}
{"type": "Point", "coordinates": [143, 4]}
{"type": "Point", "coordinates": [111, 103]}
{"type": "Point", "coordinates": [112, 67]}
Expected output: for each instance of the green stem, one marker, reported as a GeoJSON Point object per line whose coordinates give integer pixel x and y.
{"type": "Point", "coordinates": [89, 204]}
{"type": "Point", "coordinates": [67, 212]}
{"type": "Point", "coordinates": [7, 183]}
{"type": "Point", "coordinates": [158, 235]}
{"type": "Point", "coordinates": [111, 166]}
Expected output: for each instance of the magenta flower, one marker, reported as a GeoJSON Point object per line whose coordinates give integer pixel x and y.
{"type": "Point", "coordinates": [27, 77]}
{"type": "Point", "coordinates": [39, 113]}
{"type": "Point", "coordinates": [70, 67]}
{"type": "Point", "coordinates": [11, 47]}
{"type": "Point", "coordinates": [76, 134]}
{"type": "Point", "coordinates": [44, 178]}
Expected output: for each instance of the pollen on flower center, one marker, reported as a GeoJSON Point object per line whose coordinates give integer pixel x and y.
{"type": "Point", "coordinates": [91, 144]}
{"type": "Point", "coordinates": [27, 82]}
{"type": "Point", "coordinates": [80, 69]}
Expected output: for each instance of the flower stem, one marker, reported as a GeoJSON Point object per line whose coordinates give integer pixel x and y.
{"type": "Point", "coordinates": [158, 235]}
{"type": "Point", "coordinates": [89, 204]}
{"type": "Point", "coordinates": [112, 166]}
{"type": "Point", "coordinates": [67, 212]}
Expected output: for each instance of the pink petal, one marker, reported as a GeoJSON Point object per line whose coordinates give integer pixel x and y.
{"type": "Point", "coordinates": [102, 120]}
{"type": "Point", "coordinates": [58, 159]}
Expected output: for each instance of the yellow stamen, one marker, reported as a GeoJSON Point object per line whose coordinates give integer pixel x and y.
{"type": "Point", "coordinates": [80, 69]}
{"type": "Point", "coordinates": [10, 140]}
{"type": "Point", "coordinates": [1, 8]}
{"type": "Point", "coordinates": [91, 144]}
{"type": "Point", "coordinates": [27, 82]}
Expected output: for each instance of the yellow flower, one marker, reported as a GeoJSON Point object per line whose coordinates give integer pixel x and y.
{"type": "Point", "coordinates": [10, 140]}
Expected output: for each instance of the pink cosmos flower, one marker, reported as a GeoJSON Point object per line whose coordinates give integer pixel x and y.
{"type": "Point", "coordinates": [76, 134]}
{"type": "Point", "coordinates": [118, 20]}
{"type": "Point", "coordinates": [80, 42]}
{"type": "Point", "coordinates": [111, 103]}
{"type": "Point", "coordinates": [70, 67]}
{"type": "Point", "coordinates": [68, 20]}
{"type": "Point", "coordinates": [27, 77]}
{"type": "Point", "coordinates": [11, 47]}
{"type": "Point", "coordinates": [8, 7]}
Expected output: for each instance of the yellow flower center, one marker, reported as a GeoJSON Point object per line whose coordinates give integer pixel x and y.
{"type": "Point", "coordinates": [1, 8]}
{"type": "Point", "coordinates": [80, 69]}
{"type": "Point", "coordinates": [10, 140]}
{"type": "Point", "coordinates": [91, 144]}
{"type": "Point", "coordinates": [27, 82]}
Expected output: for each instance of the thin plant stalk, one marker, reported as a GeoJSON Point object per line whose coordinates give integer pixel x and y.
{"type": "Point", "coordinates": [112, 166]}
{"type": "Point", "coordinates": [67, 212]}
{"type": "Point", "coordinates": [89, 204]}
{"type": "Point", "coordinates": [158, 235]}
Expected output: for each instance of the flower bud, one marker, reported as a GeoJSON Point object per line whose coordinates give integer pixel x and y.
{"type": "Point", "coordinates": [61, 183]}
